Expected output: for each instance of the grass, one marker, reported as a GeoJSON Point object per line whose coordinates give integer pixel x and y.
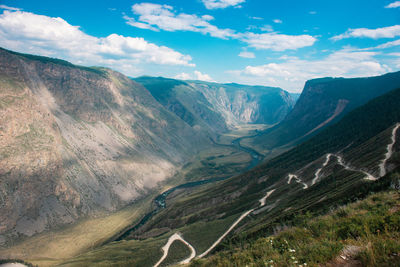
{"type": "Point", "coordinates": [122, 253]}
{"type": "Point", "coordinates": [216, 161]}
{"type": "Point", "coordinates": [239, 131]}
{"type": "Point", "coordinates": [52, 247]}
{"type": "Point", "coordinates": [201, 235]}
{"type": "Point", "coordinates": [372, 225]}
{"type": "Point", "coordinates": [177, 251]}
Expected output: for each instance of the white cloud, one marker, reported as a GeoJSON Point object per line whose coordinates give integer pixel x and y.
{"type": "Point", "coordinates": [312, 12]}
{"type": "Point", "coordinates": [163, 17]}
{"type": "Point", "coordinates": [278, 42]}
{"type": "Point", "coordinates": [9, 8]}
{"type": "Point", "coordinates": [385, 32]}
{"type": "Point", "coordinates": [155, 17]}
{"type": "Point", "coordinates": [277, 21]}
{"type": "Point", "coordinates": [134, 23]}
{"type": "Point", "coordinates": [183, 76]}
{"type": "Point", "coordinates": [393, 5]}
{"type": "Point", "coordinates": [197, 75]}
{"type": "Point", "coordinates": [292, 73]}
{"type": "Point", "coordinates": [246, 54]}
{"type": "Point", "coordinates": [267, 28]}
{"type": "Point", "coordinates": [215, 4]}
{"type": "Point", "coordinates": [388, 44]}
{"type": "Point", "coordinates": [38, 34]}
{"type": "Point", "coordinates": [202, 76]}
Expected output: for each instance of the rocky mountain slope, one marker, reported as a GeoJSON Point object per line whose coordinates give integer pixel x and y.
{"type": "Point", "coordinates": [323, 102]}
{"type": "Point", "coordinates": [340, 164]}
{"type": "Point", "coordinates": [218, 107]}
{"type": "Point", "coordinates": [75, 141]}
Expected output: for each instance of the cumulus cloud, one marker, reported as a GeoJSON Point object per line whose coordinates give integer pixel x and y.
{"type": "Point", "coordinates": [246, 54]}
{"type": "Point", "coordinates": [393, 5]}
{"type": "Point", "coordinates": [215, 4]}
{"type": "Point", "coordinates": [292, 73]}
{"type": "Point", "coordinates": [277, 21]}
{"type": "Point", "coordinates": [163, 17]}
{"type": "Point", "coordinates": [277, 42]}
{"type": "Point", "coordinates": [50, 36]}
{"type": "Point", "coordinates": [385, 32]}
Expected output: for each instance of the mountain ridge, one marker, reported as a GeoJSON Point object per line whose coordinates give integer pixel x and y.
{"type": "Point", "coordinates": [322, 102]}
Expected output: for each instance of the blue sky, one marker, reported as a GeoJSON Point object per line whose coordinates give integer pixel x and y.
{"type": "Point", "coordinates": [276, 43]}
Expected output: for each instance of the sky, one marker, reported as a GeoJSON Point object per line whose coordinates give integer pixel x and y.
{"type": "Point", "coordinates": [259, 42]}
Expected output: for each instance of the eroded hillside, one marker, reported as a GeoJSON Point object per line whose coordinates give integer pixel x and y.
{"type": "Point", "coordinates": [76, 141]}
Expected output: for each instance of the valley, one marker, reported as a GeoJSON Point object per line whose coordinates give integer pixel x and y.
{"type": "Point", "coordinates": [92, 233]}
{"type": "Point", "coordinates": [100, 169]}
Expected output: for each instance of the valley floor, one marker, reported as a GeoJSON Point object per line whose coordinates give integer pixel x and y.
{"type": "Point", "coordinates": [57, 246]}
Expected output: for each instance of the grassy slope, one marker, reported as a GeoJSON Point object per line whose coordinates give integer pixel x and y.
{"type": "Point", "coordinates": [372, 225]}
{"type": "Point", "coordinates": [50, 248]}
{"type": "Point", "coordinates": [177, 251]}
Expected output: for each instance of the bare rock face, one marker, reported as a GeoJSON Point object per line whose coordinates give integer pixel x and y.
{"type": "Point", "coordinates": [75, 141]}
{"type": "Point", "coordinates": [215, 107]}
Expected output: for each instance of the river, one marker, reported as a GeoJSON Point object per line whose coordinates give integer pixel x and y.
{"type": "Point", "coordinates": [160, 200]}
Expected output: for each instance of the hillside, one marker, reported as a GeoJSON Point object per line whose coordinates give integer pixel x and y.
{"type": "Point", "coordinates": [78, 141]}
{"type": "Point", "coordinates": [323, 102]}
{"type": "Point", "coordinates": [365, 233]}
{"type": "Point", "coordinates": [339, 165]}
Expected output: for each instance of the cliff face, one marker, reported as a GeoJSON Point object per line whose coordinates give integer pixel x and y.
{"type": "Point", "coordinates": [322, 102]}
{"type": "Point", "coordinates": [217, 107]}
{"type": "Point", "coordinates": [76, 141]}
{"type": "Point", "coordinates": [247, 104]}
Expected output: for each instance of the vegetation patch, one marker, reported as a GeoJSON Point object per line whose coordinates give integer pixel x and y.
{"type": "Point", "coordinates": [177, 252]}
{"type": "Point", "coordinates": [373, 225]}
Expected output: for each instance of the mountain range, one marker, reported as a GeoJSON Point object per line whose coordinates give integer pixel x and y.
{"type": "Point", "coordinates": [79, 144]}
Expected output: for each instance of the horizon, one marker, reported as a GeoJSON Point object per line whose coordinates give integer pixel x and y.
{"type": "Point", "coordinates": [263, 43]}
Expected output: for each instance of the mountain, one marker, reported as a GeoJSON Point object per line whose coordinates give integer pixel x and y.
{"type": "Point", "coordinates": [247, 104]}
{"type": "Point", "coordinates": [323, 102]}
{"type": "Point", "coordinates": [186, 102]}
{"type": "Point", "coordinates": [78, 141]}
{"type": "Point", "coordinates": [219, 107]}
{"type": "Point", "coordinates": [342, 163]}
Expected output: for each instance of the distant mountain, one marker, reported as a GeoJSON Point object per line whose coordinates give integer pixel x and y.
{"type": "Point", "coordinates": [323, 102]}
{"type": "Point", "coordinates": [217, 107]}
{"type": "Point", "coordinates": [186, 102]}
{"type": "Point", "coordinates": [247, 104]}
{"type": "Point", "coordinates": [75, 141]}
{"type": "Point", "coordinates": [295, 96]}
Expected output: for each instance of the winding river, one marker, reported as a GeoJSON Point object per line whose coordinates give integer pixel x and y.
{"type": "Point", "coordinates": [160, 200]}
